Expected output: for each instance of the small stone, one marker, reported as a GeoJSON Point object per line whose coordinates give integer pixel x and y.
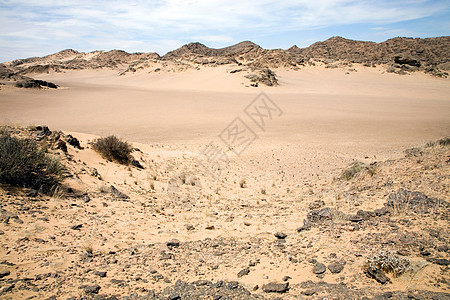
{"type": "Point", "coordinates": [319, 268]}
{"type": "Point", "coordinates": [243, 272]}
{"type": "Point", "coordinates": [378, 275]}
{"type": "Point", "coordinates": [73, 141]}
{"type": "Point", "coordinates": [286, 278]}
{"type": "Point", "coordinates": [4, 273]}
{"type": "Point", "coordinates": [439, 261]}
{"type": "Point", "coordinates": [276, 287]}
{"type": "Point", "coordinates": [202, 282]}
{"type": "Point", "coordinates": [91, 289]}
{"type": "Point", "coordinates": [210, 227]}
{"type": "Point", "coordinates": [189, 227]}
{"type": "Point", "coordinates": [280, 235]}
{"type": "Point", "coordinates": [335, 267]}
{"type": "Point", "coordinates": [174, 243]}
{"type": "Point", "coordinates": [100, 274]}
{"type": "Point", "coordinates": [355, 218]}
{"type": "Point", "coordinates": [76, 227]}
{"type": "Point", "coordinates": [174, 296]}
{"type": "Point", "coordinates": [7, 289]}
{"type": "Point", "coordinates": [309, 292]}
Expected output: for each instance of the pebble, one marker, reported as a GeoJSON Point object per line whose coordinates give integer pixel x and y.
{"type": "Point", "coordinates": [319, 268]}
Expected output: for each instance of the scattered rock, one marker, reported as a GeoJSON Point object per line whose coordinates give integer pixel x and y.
{"type": "Point", "coordinates": [439, 261]}
{"type": "Point", "coordinates": [316, 204]}
{"type": "Point", "coordinates": [7, 289]}
{"type": "Point", "coordinates": [4, 273]}
{"type": "Point", "coordinates": [173, 244]}
{"type": "Point", "coordinates": [266, 76]}
{"type": "Point", "coordinates": [425, 252]}
{"type": "Point", "coordinates": [322, 215]}
{"type": "Point", "coordinates": [91, 289]}
{"type": "Point", "coordinates": [280, 235]}
{"type": "Point", "coordinates": [76, 227]}
{"type": "Point", "coordinates": [319, 268]}
{"type": "Point", "coordinates": [307, 225]}
{"type": "Point", "coordinates": [100, 273]}
{"type": "Point", "coordinates": [74, 142]}
{"type": "Point", "coordinates": [406, 61]}
{"type": "Point", "coordinates": [61, 145]}
{"type": "Point", "coordinates": [335, 267]}
{"type": "Point", "coordinates": [34, 83]}
{"type": "Point", "coordinates": [276, 287]}
{"type": "Point", "coordinates": [118, 193]}
{"type": "Point", "coordinates": [309, 292]}
{"type": "Point", "coordinates": [136, 164]}
{"type": "Point", "coordinates": [378, 275]}
{"type": "Point", "coordinates": [243, 272]}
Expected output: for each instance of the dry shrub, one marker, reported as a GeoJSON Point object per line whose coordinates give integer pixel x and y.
{"type": "Point", "coordinates": [355, 168]}
{"type": "Point", "coordinates": [112, 148]}
{"type": "Point", "coordinates": [23, 163]}
{"type": "Point", "coordinates": [389, 262]}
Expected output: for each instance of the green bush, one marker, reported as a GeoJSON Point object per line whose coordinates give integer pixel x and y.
{"type": "Point", "coordinates": [112, 148]}
{"type": "Point", "coordinates": [23, 163]}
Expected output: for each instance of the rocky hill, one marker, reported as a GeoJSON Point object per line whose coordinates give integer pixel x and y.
{"type": "Point", "coordinates": [399, 55]}
{"type": "Point", "coordinates": [411, 54]}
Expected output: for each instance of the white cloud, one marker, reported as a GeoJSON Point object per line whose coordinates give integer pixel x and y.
{"type": "Point", "coordinates": [136, 23]}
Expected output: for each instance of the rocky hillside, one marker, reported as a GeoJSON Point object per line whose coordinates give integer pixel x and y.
{"type": "Point", "coordinates": [72, 60]}
{"type": "Point", "coordinates": [411, 54]}
{"type": "Point", "coordinates": [399, 55]}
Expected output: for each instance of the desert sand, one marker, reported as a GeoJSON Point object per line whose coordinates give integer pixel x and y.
{"type": "Point", "coordinates": [330, 118]}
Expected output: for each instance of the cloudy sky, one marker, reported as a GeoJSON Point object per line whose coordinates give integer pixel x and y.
{"type": "Point", "coordinates": [39, 27]}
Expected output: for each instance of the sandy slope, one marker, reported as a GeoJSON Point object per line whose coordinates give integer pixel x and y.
{"type": "Point", "coordinates": [356, 115]}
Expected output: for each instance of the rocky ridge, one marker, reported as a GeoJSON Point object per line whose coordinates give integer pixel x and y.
{"type": "Point", "coordinates": [397, 55]}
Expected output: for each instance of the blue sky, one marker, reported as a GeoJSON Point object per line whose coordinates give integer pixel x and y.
{"type": "Point", "coordinates": [39, 27]}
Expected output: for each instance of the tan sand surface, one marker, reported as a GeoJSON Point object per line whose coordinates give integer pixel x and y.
{"type": "Point", "coordinates": [329, 119]}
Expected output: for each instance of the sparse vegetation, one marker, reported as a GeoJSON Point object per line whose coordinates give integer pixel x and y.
{"type": "Point", "coordinates": [23, 163]}
{"type": "Point", "coordinates": [389, 262]}
{"type": "Point", "coordinates": [445, 141]}
{"type": "Point", "coordinates": [114, 149]}
{"type": "Point", "coordinates": [355, 168]}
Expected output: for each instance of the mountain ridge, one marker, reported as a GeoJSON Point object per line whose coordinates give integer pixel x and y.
{"type": "Point", "coordinates": [398, 55]}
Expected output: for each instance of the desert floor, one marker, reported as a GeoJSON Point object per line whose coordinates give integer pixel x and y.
{"type": "Point", "coordinates": [326, 120]}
